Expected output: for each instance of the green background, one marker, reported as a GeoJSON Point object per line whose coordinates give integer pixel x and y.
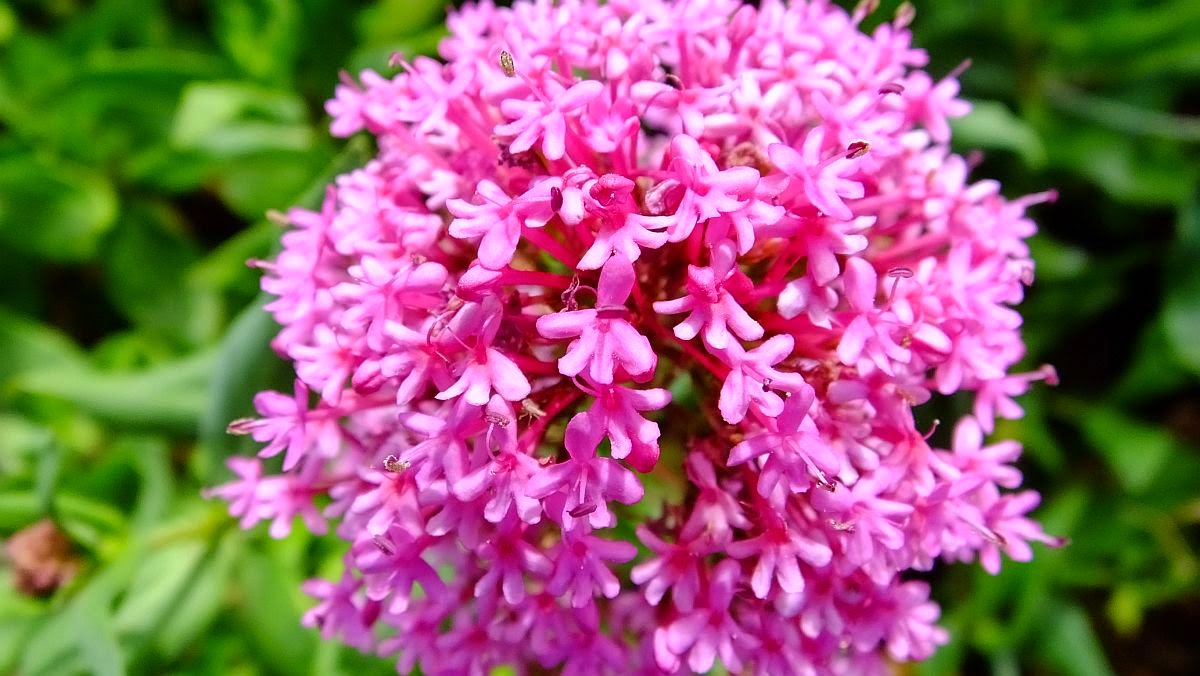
{"type": "Point", "coordinates": [142, 142]}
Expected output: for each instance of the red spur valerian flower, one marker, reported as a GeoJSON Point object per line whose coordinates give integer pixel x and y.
{"type": "Point", "coordinates": [607, 361]}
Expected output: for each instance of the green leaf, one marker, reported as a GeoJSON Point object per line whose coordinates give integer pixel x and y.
{"type": "Point", "coordinates": [991, 125]}
{"type": "Point", "coordinates": [268, 607]}
{"type": "Point", "coordinates": [1181, 310]}
{"type": "Point", "coordinates": [1134, 450]}
{"type": "Point", "coordinates": [145, 264]}
{"type": "Point", "coordinates": [1157, 368]}
{"type": "Point", "coordinates": [98, 644]}
{"type": "Point", "coordinates": [170, 396]}
{"type": "Point", "coordinates": [26, 345]}
{"type": "Point", "coordinates": [150, 456]}
{"type": "Point", "coordinates": [22, 442]}
{"type": "Point", "coordinates": [387, 20]}
{"type": "Point", "coordinates": [261, 36]}
{"type": "Point", "coordinates": [1069, 643]}
{"type": "Point", "coordinates": [14, 631]}
{"type": "Point", "coordinates": [196, 610]}
{"type": "Point", "coordinates": [19, 508]}
{"type": "Point", "coordinates": [229, 119]}
{"type": "Point", "coordinates": [81, 638]}
{"type": "Point", "coordinates": [53, 210]}
{"type": "Point", "coordinates": [256, 183]}
{"type": "Point", "coordinates": [161, 581]}
{"type": "Point", "coordinates": [1132, 172]}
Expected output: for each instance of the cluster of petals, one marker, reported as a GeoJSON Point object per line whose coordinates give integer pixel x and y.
{"type": "Point", "coordinates": [607, 361]}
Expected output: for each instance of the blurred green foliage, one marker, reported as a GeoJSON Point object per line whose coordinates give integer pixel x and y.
{"type": "Point", "coordinates": [142, 142]}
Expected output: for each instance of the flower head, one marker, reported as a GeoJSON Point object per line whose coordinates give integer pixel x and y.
{"type": "Point", "coordinates": [607, 361]}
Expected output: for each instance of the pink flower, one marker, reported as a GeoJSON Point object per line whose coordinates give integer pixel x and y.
{"type": "Point", "coordinates": [798, 454]}
{"type": "Point", "coordinates": [676, 568]}
{"type": "Point", "coordinates": [617, 411]}
{"type": "Point", "coordinates": [706, 191]}
{"type": "Point", "coordinates": [713, 308]}
{"type": "Point", "coordinates": [605, 338]}
{"type": "Point", "coordinates": [706, 632]}
{"type": "Point", "coordinates": [752, 377]}
{"type": "Point", "coordinates": [546, 118]}
{"type": "Point", "coordinates": [779, 550]}
{"type": "Point", "coordinates": [580, 570]}
{"type": "Point", "coordinates": [620, 231]}
{"type": "Point", "coordinates": [725, 246]}
{"type": "Point", "coordinates": [819, 174]}
{"type": "Point", "coordinates": [586, 481]}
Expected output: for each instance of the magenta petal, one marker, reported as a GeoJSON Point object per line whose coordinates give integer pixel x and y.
{"type": "Point", "coordinates": [498, 245]}
{"type": "Point", "coordinates": [579, 354]}
{"type": "Point", "coordinates": [561, 325]}
{"type": "Point", "coordinates": [474, 484]}
{"type": "Point", "coordinates": [508, 380]}
{"type": "Point", "coordinates": [580, 94]}
{"type": "Point", "coordinates": [683, 632]}
{"type": "Point", "coordinates": [616, 282]}
{"type": "Point", "coordinates": [582, 437]}
{"type": "Point", "coordinates": [549, 480]}
{"type": "Point", "coordinates": [787, 159]}
{"type": "Point", "coordinates": [752, 448]}
{"type": "Point", "coordinates": [620, 484]}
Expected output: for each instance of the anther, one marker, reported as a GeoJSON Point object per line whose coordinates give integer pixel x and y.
{"type": "Point", "coordinates": [932, 429]}
{"type": "Point", "coordinates": [395, 60]}
{"type": "Point", "coordinates": [582, 510]}
{"type": "Point", "coordinates": [568, 295]}
{"type": "Point", "coordinates": [556, 199]}
{"type": "Point", "coordinates": [897, 274]}
{"type": "Point", "coordinates": [766, 384]}
{"type": "Point", "coordinates": [496, 419]}
{"type": "Point", "coordinates": [857, 149]}
{"type": "Point", "coordinates": [892, 88]}
{"type": "Point", "coordinates": [1049, 375]}
{"type": "Point", "coordinates": [612, 312]}
{"type": "Point", "coordinates": [395, 464]}
{"type": "Point", "coordinates": [905, 14]}
{"type": "Point", "coordinates": [383, 545]}
{"type": "Point", "coordinates": [673, 80]}
{"type": "Point", "coordinates": [1027, 274]}
{"type": "Point", "coordinates": [506, 63]}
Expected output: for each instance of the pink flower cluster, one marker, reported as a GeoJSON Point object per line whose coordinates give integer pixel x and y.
{"type": "Point", "coordinates": [607, 362]}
